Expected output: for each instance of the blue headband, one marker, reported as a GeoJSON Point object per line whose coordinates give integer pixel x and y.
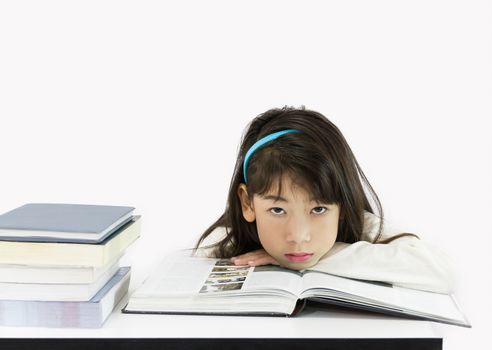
{"type": "Point", "coordinates": [259, 144]}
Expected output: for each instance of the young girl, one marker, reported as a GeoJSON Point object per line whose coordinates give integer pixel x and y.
{"type": "Point", "coordinates": [299, 199]}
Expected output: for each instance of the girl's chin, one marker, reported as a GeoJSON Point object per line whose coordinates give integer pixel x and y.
{"type": "Point", "coordinates": [300, 265]}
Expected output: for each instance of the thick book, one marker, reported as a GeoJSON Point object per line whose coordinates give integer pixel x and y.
{"type": "Point", "coordinates": [59, 222]}
{"type": "Point", "coordinates": [12, 273]}
{"type": "Point", "coordinates": [89, 314]}
{"type": "Point", "coordinates": [55, 292]}
{"type": "Point", "coordinates": [71, 254]}
{"type": "Point", "coordinates": [192, 285]}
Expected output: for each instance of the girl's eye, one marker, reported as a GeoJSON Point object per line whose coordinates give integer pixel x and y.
{"type": "Point", "coordinates": [319, 210]}
{"type": "Point", "coordinates": [277, 210]}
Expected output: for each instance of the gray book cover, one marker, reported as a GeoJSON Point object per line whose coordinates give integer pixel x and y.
{"type": "Point", "coordinates": [60, 222]}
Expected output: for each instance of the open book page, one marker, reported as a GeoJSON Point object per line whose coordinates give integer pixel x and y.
{"type": "Point", "coordinates": [416, 302]}
{"type": "Point", "coordinates": [183, 284]}
{"type": "Point", "coordinates": [181, 275]}
{"type": "Point", "coordinates": [275, 278]}
{"type": "Point", "coordinates": [175, 275]}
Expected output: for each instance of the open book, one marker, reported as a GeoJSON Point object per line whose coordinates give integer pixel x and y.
{"type": "Point", "coordinates": [191, 285]}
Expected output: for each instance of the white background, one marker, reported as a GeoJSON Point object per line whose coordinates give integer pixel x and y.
{"type": "Point", "coordinates": [143, 103]}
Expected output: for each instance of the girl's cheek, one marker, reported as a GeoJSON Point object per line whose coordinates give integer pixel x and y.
{"type": "Point", "coordinates": [269, 225]}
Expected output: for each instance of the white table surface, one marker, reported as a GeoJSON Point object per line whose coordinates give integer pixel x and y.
{"type": "Point", "coordinates": [313, 323]}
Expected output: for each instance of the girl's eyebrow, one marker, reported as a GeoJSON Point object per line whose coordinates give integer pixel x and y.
{"type": "Point", "coordinates": [275, 198]}
{"type": "Point", "coordinates": [282, 199]}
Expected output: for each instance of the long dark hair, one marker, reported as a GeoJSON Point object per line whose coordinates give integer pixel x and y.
{"type": "Point", "coordinates": [318, 158]}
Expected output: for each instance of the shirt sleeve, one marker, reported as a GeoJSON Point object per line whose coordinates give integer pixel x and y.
{"type": "Point", "coordinates": [406, 261]}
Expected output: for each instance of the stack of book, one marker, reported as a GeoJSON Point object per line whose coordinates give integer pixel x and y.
{"type": "Point", "coordinates": [59, 263]}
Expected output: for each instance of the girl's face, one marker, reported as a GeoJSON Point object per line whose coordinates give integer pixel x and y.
{"type": "Point", "coordinates": [294, 229]}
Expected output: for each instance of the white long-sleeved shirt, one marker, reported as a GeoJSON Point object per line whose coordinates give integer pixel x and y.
{"type": "Point", "coordinates": [406, 261]}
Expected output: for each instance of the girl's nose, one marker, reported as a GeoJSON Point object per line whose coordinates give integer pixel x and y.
{"type": "Point", "coordinates": [298, 231]}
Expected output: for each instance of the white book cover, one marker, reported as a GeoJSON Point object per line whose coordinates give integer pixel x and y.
{"type": "Point", "coordinates": [55, 292]}
{"type": "Point", "coordinates": [52, 274]}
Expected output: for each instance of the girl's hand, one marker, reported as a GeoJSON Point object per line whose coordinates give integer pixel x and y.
{"type": "Point", "coordinates": [255, 258]}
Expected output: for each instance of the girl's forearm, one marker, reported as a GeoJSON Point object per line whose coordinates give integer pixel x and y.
{"type": "Point", "coordinates": [406, 262]}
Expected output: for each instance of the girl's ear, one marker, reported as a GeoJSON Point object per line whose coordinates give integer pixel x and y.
{"type": "Point", "coordinates": [246, 204]}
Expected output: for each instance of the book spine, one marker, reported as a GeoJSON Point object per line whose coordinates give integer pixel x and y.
{"type": "Point", "coordinates": [119, 243]}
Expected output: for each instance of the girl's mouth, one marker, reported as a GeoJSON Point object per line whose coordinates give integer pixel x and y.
{"type": "Point", "coordinates": [298, 257]}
